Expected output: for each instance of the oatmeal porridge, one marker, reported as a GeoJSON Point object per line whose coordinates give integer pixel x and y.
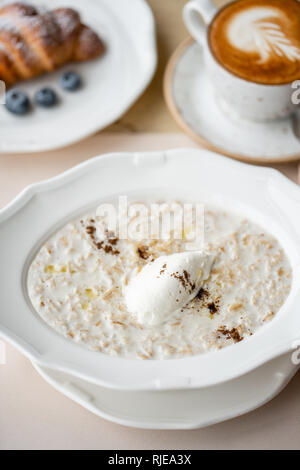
{"type": "Point", "coordinates": [82, 284]}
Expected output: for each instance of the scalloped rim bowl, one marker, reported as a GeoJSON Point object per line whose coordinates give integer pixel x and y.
{"type": "Point", "coordinates": [259, 193]}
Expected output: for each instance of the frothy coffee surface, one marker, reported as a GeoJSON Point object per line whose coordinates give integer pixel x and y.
{"type": "Point", "coordinates": [259, 40]}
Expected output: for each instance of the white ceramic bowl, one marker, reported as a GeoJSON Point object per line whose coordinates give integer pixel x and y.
{"type": "Point", "coordinates": [259, 193]}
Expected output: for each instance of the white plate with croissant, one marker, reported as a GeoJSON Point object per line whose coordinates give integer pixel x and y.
{"type": "Point", "coordinates": [111, 47]}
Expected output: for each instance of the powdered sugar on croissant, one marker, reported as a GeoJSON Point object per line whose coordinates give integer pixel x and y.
{"type": "Point", "coordinates": [34, 42]}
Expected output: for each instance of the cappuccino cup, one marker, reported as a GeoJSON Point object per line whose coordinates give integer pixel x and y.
{"type": "Point", "coordinates": [251, 51]}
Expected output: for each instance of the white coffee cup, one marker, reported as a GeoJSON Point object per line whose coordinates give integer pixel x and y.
{"type": "Point", "coordinates": [248, 99]}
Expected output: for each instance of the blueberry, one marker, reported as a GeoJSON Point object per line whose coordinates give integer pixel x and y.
{"type": "Point", "coordinates": [71, 81]}
{"type": "Point", "coordinates": [17, 102]}
{"type": "Point", "coordinates": [46, 97]}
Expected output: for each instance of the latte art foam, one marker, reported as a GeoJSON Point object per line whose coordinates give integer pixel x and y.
{"type": "Point", "coordinates": [250, 31]}
{"type": "Point", "coordinates": [259, 40]}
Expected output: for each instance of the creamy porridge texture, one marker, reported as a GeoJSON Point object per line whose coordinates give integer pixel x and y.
{"type": "Point", "coordinates": [78, 280]}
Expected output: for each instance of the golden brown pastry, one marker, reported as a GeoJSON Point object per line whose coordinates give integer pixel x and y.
{"type": "Point", "coordinates": [33, 42]}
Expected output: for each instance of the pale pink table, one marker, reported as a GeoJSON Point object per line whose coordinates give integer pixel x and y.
{"type": "Point", "coordinates": [35, 416]}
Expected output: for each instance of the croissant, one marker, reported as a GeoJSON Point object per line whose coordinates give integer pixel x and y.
{"type": "Point", "coordinates": [33, 42]}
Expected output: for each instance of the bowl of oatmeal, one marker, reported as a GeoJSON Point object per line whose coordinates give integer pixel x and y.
{"type": "Point", "coordinates": [143, 305]}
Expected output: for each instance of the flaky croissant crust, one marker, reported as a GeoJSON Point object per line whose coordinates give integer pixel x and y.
{"type": "Point", "coordinates": [34, 42]}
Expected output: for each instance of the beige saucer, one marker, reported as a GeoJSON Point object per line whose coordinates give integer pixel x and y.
{"type": "Point", "coordinates": [191, 102]}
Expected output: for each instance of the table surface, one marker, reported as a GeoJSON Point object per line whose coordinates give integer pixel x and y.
{"type": "Point", "coordinates": [32, 414]}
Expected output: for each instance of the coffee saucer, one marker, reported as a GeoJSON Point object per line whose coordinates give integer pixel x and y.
{"type": "Point", "coordinates": [177, 409]}
{"type": "Point", "coordinates": [191, 101]}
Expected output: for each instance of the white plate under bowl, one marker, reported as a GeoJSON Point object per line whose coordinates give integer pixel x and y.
{"type": "Point", "coordinates": [111, 83]}
{"type": "Point", "coordinates": [191, 101]}
{"type": "Point", "coordinates": [181, 409]}
{"type": "Point", "coordinates": [262, 194]}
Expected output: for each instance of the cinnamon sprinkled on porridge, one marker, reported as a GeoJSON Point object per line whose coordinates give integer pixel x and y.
{"type": "Point", "coordinates": [76, 284]}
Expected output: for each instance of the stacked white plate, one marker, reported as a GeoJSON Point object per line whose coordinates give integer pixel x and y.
{"type": "Point", "coordinates": [181, 409]}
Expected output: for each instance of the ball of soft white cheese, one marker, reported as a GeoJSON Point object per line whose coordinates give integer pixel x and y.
{"type": "Point", "coordinates": [166, 285]}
